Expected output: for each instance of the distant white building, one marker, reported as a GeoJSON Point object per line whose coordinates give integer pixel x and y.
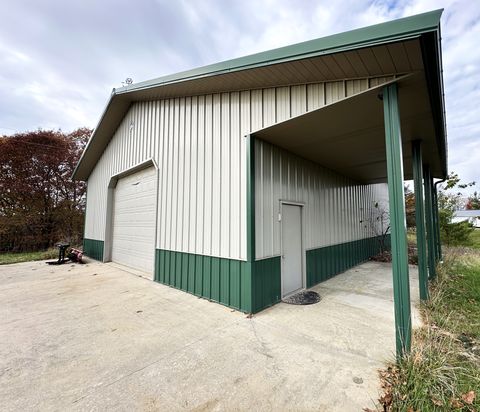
{"type": "Point", "coordinates": [470, 216]}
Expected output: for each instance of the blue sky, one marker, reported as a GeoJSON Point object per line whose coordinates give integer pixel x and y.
{"type": "Point", "coordinates": [59, 60]}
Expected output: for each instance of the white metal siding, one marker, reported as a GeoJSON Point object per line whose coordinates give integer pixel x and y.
{"type": "Point", "coordinates": [134, 210]}
{"type": "Point", "coordinates": [336, 209]}
{"type": "Point", "coordinates": [198, 145]}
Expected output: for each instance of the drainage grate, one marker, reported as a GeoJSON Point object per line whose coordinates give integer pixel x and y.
{"type": "Point", "coordinates": [306, 297]}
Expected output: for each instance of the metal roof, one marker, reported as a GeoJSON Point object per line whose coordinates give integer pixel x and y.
{"type": "Point", "coordinates": [467, 213]}
{"type": "Point", "coordinates": [395, 47]}
{"type": "Point", "coordinates": [380, 33]}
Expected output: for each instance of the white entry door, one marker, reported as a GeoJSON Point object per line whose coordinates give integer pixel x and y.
{"type": "Point", "coordinates": [134, 210]}
{"type": "Point", "coordinates": [292, 253]}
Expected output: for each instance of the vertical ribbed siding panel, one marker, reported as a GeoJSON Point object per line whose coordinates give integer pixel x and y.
{"type": "Point", "coordinates": [356, 86]}
{"type": "Point", "coordinates": [269, 107]}
{"type": "Point", "coordinates": [93, 248]}
{"type": "Point", "coordinates": [216, 176]}
{"type": "Point", "coordinates": [330, 213]}
{"type": "Point", "coordinates": [219, 279]}
{"type": "Point", "coordinates": [325, 262]}
{"type": "Point", "coordinates": [201, 169]}
{"type": "Point", "coordinates": [235, 223]}
{"type": "Point", "coordinates": [188, 182]}
{"type": "Point", "coordinates": [266, 283]}
{"type": "Point", "coordinates": [315, 96]}
{"type": "Point", "coordinates": [379, 80]}
{"type": "Point", "coordinates": [334, 91]}
{"type": "Point", "coordinates": [175, 192]}
{"type": "Point", "coordinates": [283, 103]}
{"type": "Point", "coordinates": [276, 188]}
{"type": "Point", "coordinates": [370, 207]}
{"type": "Point", "coordinates": [207, 212]}
{"type": "Point", "coordinates": [162, 164]}
{"type": "Point", "coordinates": [94, 220]}
{"type": "Point", "coordinates": [355, 219]}
{"type": "Point", "coordinates": [138, 142]}
{"type": "Point", "coordinates": [244, 130]}
{"type": "Point", "coordinates": [353, 222]}
{"type": "Point", "coordinates": [349, 200]}
{"type": "Point", "coordinates": [170, 174]}
{"type": "Point", "coordinates": [180, 186]}
{"type": "Point", "coordinates": [256, 110]}
{"type": "Point", "coordinates": [200, 150]}
{"type": "Point", "coordinates": [334, 209]}
{"type": "Point", "coordinates": [158, 155]}
{"type": "Point", "coordinates": [194, 177]}
{"type": "Point", "coordinates": [144, 138]}
{"type": "Point", "coordinates": [226, 169]}
{"type": "Point", "coordinates": [366, 209]}
{"type": "Point", "coordinates": [155, 137]}
{"type": "Point", "coordinates": [330, 204]}
{"type": "Point", "coordinates": [268, 202]}
{"type": "Point", "coordinates": [298, 100]}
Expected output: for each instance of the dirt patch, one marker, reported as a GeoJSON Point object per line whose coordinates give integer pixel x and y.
{"type": "Point", "coordinates": [386, 256]}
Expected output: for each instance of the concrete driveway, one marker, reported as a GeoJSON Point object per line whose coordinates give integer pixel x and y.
{"type": "Point", "coordinates": [95, 337]}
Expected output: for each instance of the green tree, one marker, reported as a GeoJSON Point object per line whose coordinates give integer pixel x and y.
{"type": "Point", "coordinates": [450, 200]}
{"type": "Point", "coordinates": [473, 202]}
{"type": "Point", "coordinates": [410, 206]}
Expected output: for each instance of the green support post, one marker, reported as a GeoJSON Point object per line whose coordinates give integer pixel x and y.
{"type": "Point", "coordinates": [420, 219]}
{"type": "Point", "coordinates": [438, 240]}
{"type": "Point", "coordinates": [250, 217]}
{"type": "Point", "coordinates": [427, 181]}
{"type": "Point", "coordinates": [401, 285]}
{"type": "Point", "coordinates": [434, 225]}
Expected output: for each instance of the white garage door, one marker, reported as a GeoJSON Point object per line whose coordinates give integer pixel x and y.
{"type": "Point", "coordinates": [134, 209]}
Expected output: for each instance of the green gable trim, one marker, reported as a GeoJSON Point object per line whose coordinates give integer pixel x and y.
{"type": "Point", "coordinates": [432, 58]}
{"type": "Point", "coordinates": [390, 31]}
{"type": "Point", "coordinates": [93, 249]}
{"type": "Point", "coordinates": [226, 281]}
{"type": "Point", "coordinates": [326, 262]}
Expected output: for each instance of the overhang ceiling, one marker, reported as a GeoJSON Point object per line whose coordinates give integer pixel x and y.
{"type": "Point", "coordinates": [349, 136]}
{"type": "Point", "coordinates": [375, 61]}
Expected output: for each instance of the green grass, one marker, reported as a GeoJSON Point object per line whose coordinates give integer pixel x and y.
{"type": "Point", "coordinates": [444, 364]}
{"type": "Point", "coordinates": [455, 303]}
{"type": "Point", "coordinates": [18, 257]}
{"type": "Point", "coordinates": [475, 239]}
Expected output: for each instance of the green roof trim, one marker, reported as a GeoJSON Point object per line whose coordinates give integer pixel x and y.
{"type": "Point", "coordinates": [390, 31]}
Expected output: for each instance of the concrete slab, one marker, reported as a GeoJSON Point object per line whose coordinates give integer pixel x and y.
{"type": "Point", "coordinates": [94, 337]}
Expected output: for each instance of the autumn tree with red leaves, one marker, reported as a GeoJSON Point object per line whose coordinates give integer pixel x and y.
{"type": "Point", "coordinates": [473, 202]}
{"type": "Point", "coordinates": [40, 204]}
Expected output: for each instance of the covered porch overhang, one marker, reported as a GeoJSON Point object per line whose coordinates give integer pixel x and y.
{"type": "Point", "coordinates": [389, 133]}
{"type": "Point", "coordinates": [349, 136]}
